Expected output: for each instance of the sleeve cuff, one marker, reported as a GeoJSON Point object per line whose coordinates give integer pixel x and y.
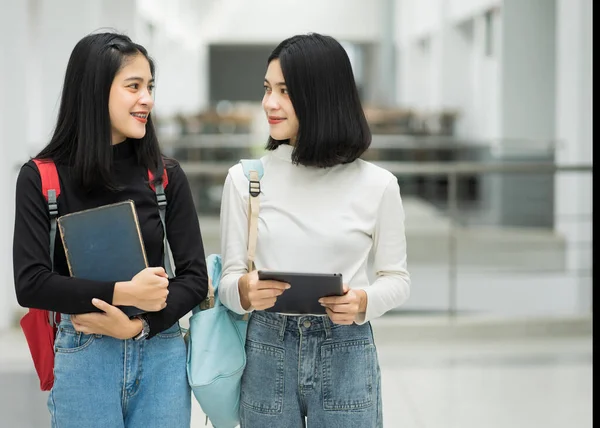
{"type": "Point", "coordinates": [231, 294]}
{"type": "Point", "coordinates": [362, 317]}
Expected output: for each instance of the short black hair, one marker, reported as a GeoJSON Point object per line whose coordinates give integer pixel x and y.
{"type": "Point", "coordinates": [333, 129]}
{"type": "Point", "coordinates": [82, 136]}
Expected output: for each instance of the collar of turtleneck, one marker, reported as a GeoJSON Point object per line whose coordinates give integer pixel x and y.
{"type": "Point", "coordinates": [124, 150]}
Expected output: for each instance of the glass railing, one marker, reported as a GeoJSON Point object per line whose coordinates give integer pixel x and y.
{"type": "Point", "coordinates": [493, 229]}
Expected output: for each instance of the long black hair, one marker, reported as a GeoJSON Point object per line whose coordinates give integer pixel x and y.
{"type": "Point", "coordinates": [82, 136]}
{"type": "Point", "coordinates": [332, 126]}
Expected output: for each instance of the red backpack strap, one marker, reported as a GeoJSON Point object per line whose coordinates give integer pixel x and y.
{"type": "Point", "coordinates": [50, 190]}
{"type": "Point", "coordinates": [161, 199]}
{"type": "Point", "coordinates": [165, 178]}
{"type": "Point", "coordinates": [49, 176]}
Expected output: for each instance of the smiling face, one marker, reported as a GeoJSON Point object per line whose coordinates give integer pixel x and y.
{"type": "Point", "coordinates": [283, 123]}
{"type": "Point", "coordinates": [131, 99]}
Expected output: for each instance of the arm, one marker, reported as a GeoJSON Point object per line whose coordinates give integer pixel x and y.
{"type": "Point", "coordinates": [392, 286]}
{"type": "Point", "coordinates": [190, 285]}
{"type": "Point", "coordinates": [234, 245]}
{"type": "Point", "coordinates": [36, 285]}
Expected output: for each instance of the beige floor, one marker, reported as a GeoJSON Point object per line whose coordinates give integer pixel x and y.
{"type": "Point", "coordinates": [516, 382]}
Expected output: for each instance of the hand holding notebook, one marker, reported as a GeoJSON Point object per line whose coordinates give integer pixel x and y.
{"type": "Point", "coordinates": [147, 290]}
{"type": "Point", "coordinates": [105, 244]}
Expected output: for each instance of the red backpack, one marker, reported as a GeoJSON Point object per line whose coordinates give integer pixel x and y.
{"type": "Point", "coordinates": [40, 325]}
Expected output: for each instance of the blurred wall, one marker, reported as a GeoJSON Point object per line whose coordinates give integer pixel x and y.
{"type": "Point", "coordinates": [514, 69]}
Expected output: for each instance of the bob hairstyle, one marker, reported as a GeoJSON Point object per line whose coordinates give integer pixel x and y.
{"type": "Point", "coordinates": [82, 136]}
{"type": "Point", "coordinates": [333, 129]}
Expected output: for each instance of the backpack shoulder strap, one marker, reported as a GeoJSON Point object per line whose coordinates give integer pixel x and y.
{"type": "Point", "coordinates": [165, 178]}
{"type": "Point", "coordinates": [254, 171]}
{"type": "Point", "coordinates": [51, 191]}
{"type": "Point", "coordinates": [161, 198]}
{"type": "Point", "coordinates": [252, 165]}
{"type": "Point", "coordinates": [49, 177]}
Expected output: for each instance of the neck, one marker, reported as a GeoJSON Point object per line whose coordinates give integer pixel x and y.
{"type": "Point", "coordinates": [118, 140]}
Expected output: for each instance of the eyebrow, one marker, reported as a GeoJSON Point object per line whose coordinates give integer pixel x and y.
{"type": "Point", "coordinates": [139, 79]}
{"type": "Point", "coordinates": [276, 84]}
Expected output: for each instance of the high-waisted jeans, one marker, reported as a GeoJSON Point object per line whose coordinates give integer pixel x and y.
{"type": "Point", "coordinates": [103, 382]}
{"type": "Point", "coordinates": [307, 367]}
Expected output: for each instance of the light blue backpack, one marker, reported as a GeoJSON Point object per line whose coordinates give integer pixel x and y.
{"type": "Point", "coordinates": [216, 339]}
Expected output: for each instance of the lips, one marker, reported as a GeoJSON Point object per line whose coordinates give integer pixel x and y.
{"type": "Point", "coordinates": [140, 116]}
{"type": "Point", "coordinates": [274, 120]}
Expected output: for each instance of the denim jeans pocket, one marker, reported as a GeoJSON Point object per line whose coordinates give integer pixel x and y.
{"type": "Point", "coordinates": [349, 375]}
{"type": "Point", "coordinates": [262, 382]}
{"type": "Point", "coordinates": [68, 340]}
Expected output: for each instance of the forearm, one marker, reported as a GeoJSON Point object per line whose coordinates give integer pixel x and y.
{"type": "Point", "coordinates": [386, 293]}
{"type": "Point", "coordinates": [243, 292]}
{"type": "Point", "coordinates": [229, 293]}
{"type": "Point", "coordinates": [53, 292]}
{"type": "Point", "coordinates": [123, 294]}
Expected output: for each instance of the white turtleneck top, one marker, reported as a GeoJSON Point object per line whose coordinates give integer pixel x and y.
{"type": "Point", "coordinates": [319, 220]}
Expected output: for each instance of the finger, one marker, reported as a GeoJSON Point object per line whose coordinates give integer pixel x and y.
{"type": "Point", "coordinates": [84, 330]}
{"type": "Point", "coordinates": [80, 320]}
{"type": "Point", "coordinates": [76, 324]}
{"type": "Point", "coordinates": [334, 300]}
{"type": "Point", "coordinates": [82, 325]}
{"type": "Point", "coordinates": [103, 306]}
{"type": "Point", "coordinates": [340, 319]}
{"type": "Point", "coordinates": [340, 309]}
{"type": "Point", "coordinates": [89, 319]}
{"type": "Point", "coordinates": [160, 271]}
{"type": "Point", "coordinates": [267, 293]}
{"type": "Point", "coordinates": [264, 304]}
{"type": "Point", "coordinates": [272, 284]}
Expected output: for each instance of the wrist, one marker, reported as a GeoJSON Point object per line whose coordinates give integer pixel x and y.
{"type": "Point", "coordinates": [136, 327]}
{"type": "Point", "coordinates": [144, 331]}
{"type": "Point", "coordinates": [243, 291]}
{"type": "Point", "coordinates": [363, 300]}
{"type": "Point", "coordinates": [121, 295]}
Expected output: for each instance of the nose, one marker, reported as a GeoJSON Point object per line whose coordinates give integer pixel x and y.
{"type": "Point", "coordinates": [146, 98]}
{"type": "Point", "coordinates": [270, 102]}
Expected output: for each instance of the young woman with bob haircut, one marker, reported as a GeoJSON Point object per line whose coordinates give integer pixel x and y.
{"type": "Point", "coordinates": [110, 370]}
{"type": "Point", "coordinates": [322, 210]}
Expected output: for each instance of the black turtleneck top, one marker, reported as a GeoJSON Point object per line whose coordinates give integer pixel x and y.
{"type": "Point", "coordinates": [37, 286]}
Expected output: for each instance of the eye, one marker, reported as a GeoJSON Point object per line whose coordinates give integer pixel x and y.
{"type": "Point", "coordinates": [267, 89]}
{"type": "Point", "coordinates": [134, 86]}
{"type": "Point", "coordinates": [151, 88]}
{"type": "Point", "coordinates": [284, 91]}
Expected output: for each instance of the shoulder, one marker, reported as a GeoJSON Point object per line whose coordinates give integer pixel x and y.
{"type": "Point", "coordinates": [237, 177]}
{"type": "Point", "coordinates": [373, 175]}
{"type": "Point", "coordinates": [29, 167]}
{"type": "Point", "coordinates": [175, 173]}
{"type": "Point", "coordinates": [29, 174]}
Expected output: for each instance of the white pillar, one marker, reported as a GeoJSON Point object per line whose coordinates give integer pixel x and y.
{"type": "Point", "coordinates": [573, 203]}
{"type": "Point", "coordinates": [13, 138]}
{"type": "Point", "coordinates": [62, 23]}
{"type": "Point", "coordinates": [527, 111]}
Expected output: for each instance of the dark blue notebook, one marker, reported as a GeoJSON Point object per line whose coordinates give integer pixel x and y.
{"type": "Point", "coordinates": [104, 244]}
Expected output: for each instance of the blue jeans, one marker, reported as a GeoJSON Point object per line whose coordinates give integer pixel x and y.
{"type": "Point", "coordinates": [307, 367]}
{"type": "Point", "coordinates": [100, 381]}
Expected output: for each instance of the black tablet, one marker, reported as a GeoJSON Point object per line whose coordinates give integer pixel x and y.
{"type": "Point", "coordinates": [305, 292]}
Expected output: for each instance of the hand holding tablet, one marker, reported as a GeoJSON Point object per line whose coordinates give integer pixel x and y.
{"type": "Point", "coordinates": [305, 291]}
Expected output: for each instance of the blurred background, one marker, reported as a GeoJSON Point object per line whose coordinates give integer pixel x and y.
{"type": "Point", "coordinates": [481, 108]}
